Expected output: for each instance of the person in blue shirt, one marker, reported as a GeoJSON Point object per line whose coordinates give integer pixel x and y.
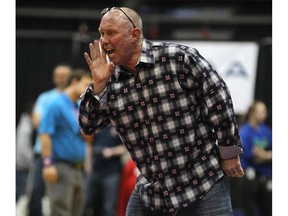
{"type": "Point", "coordinates": [60, 76]}
{"type": "Point", "coordinates": [257, 161]}
{"type": "Point", "coordinates": [63, 148]}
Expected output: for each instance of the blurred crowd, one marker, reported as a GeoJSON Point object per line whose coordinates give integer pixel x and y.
{"type": "Point", "coordinates": [93, 175]}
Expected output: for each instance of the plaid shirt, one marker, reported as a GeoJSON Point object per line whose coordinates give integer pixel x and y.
{"type": "Point", "coordinates": [172, 115]}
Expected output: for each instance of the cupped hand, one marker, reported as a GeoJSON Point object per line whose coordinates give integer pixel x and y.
{"type": "Point", "coordinates": [99, 66]}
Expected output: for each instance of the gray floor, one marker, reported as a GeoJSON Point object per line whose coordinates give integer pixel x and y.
{"type": "Point", "coordinates": [21, 206]}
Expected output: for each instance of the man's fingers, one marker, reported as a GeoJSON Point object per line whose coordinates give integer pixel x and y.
{"type": "Point", "coordinates": [240, 172]}
{"type": "Point", "coordinates": [237, 172]}
{"type": "Point", "coordinates": [95, 52]}
{"type": "Point", "coordinates": [92, 51]}
{"type": "Point", "coordinates": [87, 58]}
{"type": "Point", "coordinates": [97, 49]}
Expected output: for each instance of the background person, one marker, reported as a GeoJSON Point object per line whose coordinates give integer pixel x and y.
{"type": "Point", "coordinates": [127, 184]}
{"type": "Point", "coordinates": [257, 161]}
{"type": "Point", "coordinates": [24, 149]}
{"type": "Point", "coordinates": [63, 148]}
{"type": "Point", "coordinates": [60, 76]}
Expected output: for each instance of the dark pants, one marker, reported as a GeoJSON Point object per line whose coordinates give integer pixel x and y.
{"type": "Point", "coordinates": [101, 194]}
{"type": "Point", "coordinates": [38, 189]}
{"type": "Point", "coordinates": [217, 202]}
{"type": "Point", "coordinates": [21, 182]}
{"type": "Point", "coordinates": [257, 196]}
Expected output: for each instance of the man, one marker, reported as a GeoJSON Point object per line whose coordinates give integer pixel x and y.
{"type": "Point", "coordinates": [60, 75]}
{"type": "Point", "coordinates": [172, 111]}
{"type": "Point", "coordinates": [63, 148]}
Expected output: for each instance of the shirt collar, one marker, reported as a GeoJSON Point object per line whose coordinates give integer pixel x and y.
{"type": "Point", "coordinates": [147, 56]}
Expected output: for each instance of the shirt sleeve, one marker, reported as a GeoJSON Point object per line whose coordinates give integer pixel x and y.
{"type": "Point", "coordinates": [48, 120]}
{"type": "Point", "coordinates": [216, 103]}
{"type": "Point", "coordinates": [38, 108]}
{"type": "Point", "coordinates": [246, 137]}
{"type": "Point", "coordinates": [92, 115]}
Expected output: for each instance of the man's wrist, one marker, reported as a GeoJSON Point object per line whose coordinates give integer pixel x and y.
{"type": "Point", "coordinates": [48, 161]}
{"type": "Point", "coordinates": [98, 96]}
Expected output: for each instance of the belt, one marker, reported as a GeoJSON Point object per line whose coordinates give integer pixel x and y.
{"type": "Point", "coordinates": [78, 166]}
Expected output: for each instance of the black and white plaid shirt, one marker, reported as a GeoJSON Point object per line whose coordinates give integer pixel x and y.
{"type": "Point", "coordinates": [173, 115]}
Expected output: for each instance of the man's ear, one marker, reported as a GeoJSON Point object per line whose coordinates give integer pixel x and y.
{"type": "Point", "coordinates": [136, 32]}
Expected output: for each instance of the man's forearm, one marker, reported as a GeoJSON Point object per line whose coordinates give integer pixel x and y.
{"type": "Point", "coordinates": [46, 145]}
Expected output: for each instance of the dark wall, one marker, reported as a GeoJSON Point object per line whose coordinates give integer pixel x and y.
{"type": "Point", "coordinates": [263, 88]}
{"type": "Point", "coordinates": [35, 60]}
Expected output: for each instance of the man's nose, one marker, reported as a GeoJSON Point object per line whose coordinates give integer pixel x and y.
{"type": "Point", "coordinates": [103, 40]}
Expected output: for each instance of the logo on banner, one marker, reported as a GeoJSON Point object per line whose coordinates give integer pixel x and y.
{"type": "Point", "coordinates": [236, 70]}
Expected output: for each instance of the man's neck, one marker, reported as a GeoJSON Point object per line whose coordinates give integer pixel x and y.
{"type": "Point", "coordinates": [70, 92]}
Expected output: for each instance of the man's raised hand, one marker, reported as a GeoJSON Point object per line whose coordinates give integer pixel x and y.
{"type": "Point", "coordinates": [100, 68]}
